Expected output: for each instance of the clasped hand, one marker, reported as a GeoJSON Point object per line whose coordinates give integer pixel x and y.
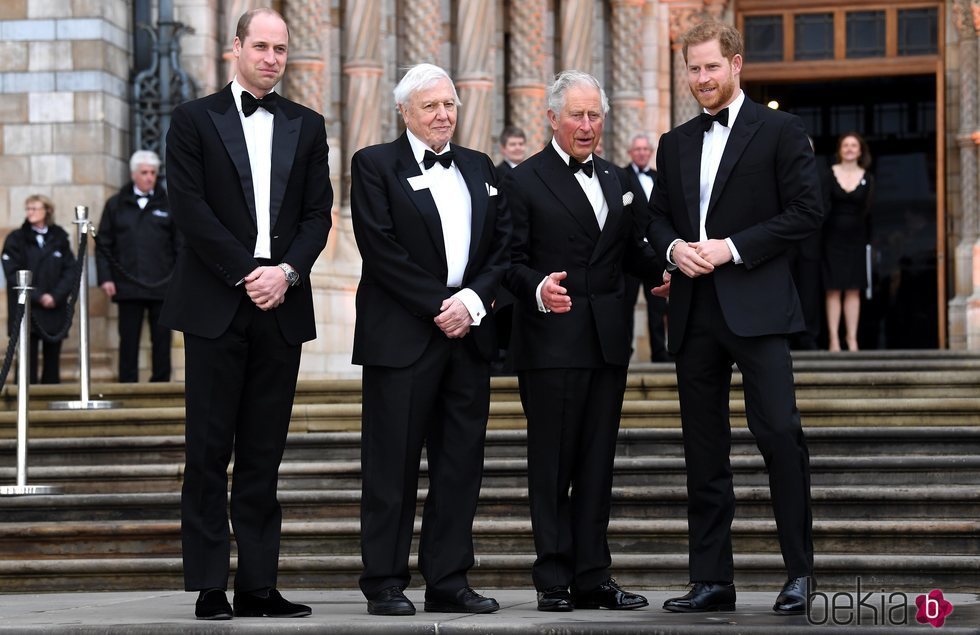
{"type": "Point", "coordinates": [266, 287]}
{"type": "Point", "coordinates": [700, 258]}
{"type": "Point", "coordinates": [454, 318]}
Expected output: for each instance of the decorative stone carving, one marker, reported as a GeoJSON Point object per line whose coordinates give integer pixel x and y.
{"type": "Point", "coordinates": [474, 75]}
{"type": "Point", "coordinates": [577, 17]}
{"type": "Point", "coordinates": [526, 88]}
{"type": "Point", "coordinates": [303, 80]}
{"type": "Point", "coordinates": [363, 69]}
{"type": "Point", "coordinates": [423, 31]}
{"type": "Point", "coordinates": [627, 100]}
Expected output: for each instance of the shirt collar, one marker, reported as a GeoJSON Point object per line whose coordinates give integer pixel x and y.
{"type": "Point", "coordinates": [637, 168]}
{"type": "Point", "coordinates": [419, 147]}
{"type": "Point", "coordinates": [140, 194]}
{"type": "Point", "coordinates": [236, 93]}
{"type": "Point", "coordinates": [734, 108]}
{"type": "Point", "coordinates": [564, 155]}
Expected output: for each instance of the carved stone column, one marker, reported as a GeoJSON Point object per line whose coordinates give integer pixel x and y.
{"type": "Point", "coordinates": [627, 98]}
{"type": "Point", "coordinates": [526, 88]}
{"type": "Point", "coordinates": [303, 80]}
{"type": "Point", "coordinates": [474, 75]}
{"type": "Point", "coordinates": [363, 70]}
{"type": "Point", "coordinates": [576, 34]}
{"type": "Point", "coordinates": [423, 31]}
{"type": "Point", "coordinates": [966, 15]}
{"type": "Point", "coordinates": [683, 16]}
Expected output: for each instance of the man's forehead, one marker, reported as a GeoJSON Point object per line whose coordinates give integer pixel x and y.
{"type": "Point", "coordinates": [436, 91]}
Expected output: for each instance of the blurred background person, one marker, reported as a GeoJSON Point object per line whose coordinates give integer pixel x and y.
{"type": "Point", "coordinates": [139, 236]}
{"type": "Point", "coordinates": [848, 192]}
{"type": "Point", "coordinates": [642, 179]}
{"type": "Point", "coordinates": [42, 247]}
{"type": "Point", "coordinates": [513, 147]}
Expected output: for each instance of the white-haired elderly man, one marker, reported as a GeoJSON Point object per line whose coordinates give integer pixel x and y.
{"type": "Point", "coordinates": [140, 238]}
{"type": "Point", "coordinates": [434, 236]}
{"type": "Point", "coordinates": [574, 236]}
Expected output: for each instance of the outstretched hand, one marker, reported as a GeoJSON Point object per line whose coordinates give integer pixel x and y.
{"type": "Point", "coordinates": [554, 297]}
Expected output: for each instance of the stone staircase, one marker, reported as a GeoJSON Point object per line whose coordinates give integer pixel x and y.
{"type": "Point", "coordinates": [895, 457]}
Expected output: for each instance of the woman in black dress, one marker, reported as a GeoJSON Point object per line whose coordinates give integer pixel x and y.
{"type": "Point", "coordinates": [847, 200]}
{"type": "Point", "coordinates": [44, 248]}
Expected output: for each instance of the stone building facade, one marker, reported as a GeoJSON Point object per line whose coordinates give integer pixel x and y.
{"type": "Point", "coordinates": [65, 107]}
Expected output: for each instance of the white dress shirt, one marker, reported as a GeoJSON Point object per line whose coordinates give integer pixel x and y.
{"type": "Point", "coordinates": [646, 181]}
{"type": "Point", "coordinates": [142, 198]}
{"type": "Point", "coordinates": [593, 190]}
{"type": "Point", "coordinates": [712, 148]}
{"type": "Point", "coordinates": [452, 198]}
{"type": "Point", "coordinates": [258, 140]}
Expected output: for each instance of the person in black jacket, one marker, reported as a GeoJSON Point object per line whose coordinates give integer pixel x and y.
{"type": "Point", "coordinates": [138, 233]}
{"type": "Point", "coordinates": [42, 247]}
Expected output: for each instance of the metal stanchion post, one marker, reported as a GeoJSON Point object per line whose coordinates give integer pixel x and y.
{"type": "Point", "coordinates": [24, 277]}
{"type": "Point", "coordinates": [83, 402]}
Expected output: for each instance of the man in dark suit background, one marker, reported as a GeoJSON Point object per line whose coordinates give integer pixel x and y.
{"type": "Point", "coordinates": [434, 236]}
{"type": "Point", "coordinates": [574, 235]}
{"type": "Point", "coordinates": [250, 193]}
{"type": "Point", "coordinates": [737, 188]}
{"type": "Point", "coordinates": [642, 180]}
{"type": "Point", "coordinates": [513, 148]}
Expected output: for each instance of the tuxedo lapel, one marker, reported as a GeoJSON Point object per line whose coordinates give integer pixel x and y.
{"type": "Point", "coordinates": [407, 168]}
{"type": "Point", "coordinates": [612, 191]}
{"type": "Point", "coordinates": [285, 138]}
{"type": "Point", "coordinates": [479, 198]}
{"type": "Point", "coordinates": [229, 127]}
{"type": "Point", "coordinates": [690, 144]}
{"type": "Point", "coordinates": [745, 126]}
{"type": "Point", "coordinates": [556, 176]}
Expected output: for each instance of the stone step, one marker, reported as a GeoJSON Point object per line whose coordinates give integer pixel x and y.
{"type": "Point", "coordinates": [133, 539]}
{"type": "Point", "coordinates": [754, 571]}
{"type": "Point", "coordinates": [638, 442]}
{"type": "Point", "coordinates": [824, 412]}
{"type": "Point", "coordinates": [924, 502]}
{"type": "Point", "coordinates": [858, 471]}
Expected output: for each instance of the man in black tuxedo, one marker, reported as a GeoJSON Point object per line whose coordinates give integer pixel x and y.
{"type": "Point", "coordinates": [513, 146]}
{"type": "Point", "coordinates": [574, 235]}
{"type": "Point", "coordinates": [250, 192]}
{"type": "Point", "coordinates": [737, 188]}
{"type": "Point", "coordinates": [434, 236]}
{"type": "Point", "coordinates": [642, 180]}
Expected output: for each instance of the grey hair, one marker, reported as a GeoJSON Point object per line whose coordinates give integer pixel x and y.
{"type": "Point", "coordinates": [143, 157]}
{"type": "Point", "coordinates": [639, 136]}
{"type": "Point", "coordinates": [565, 80]}
{"type": "Point", "coordinates": [420, 77]}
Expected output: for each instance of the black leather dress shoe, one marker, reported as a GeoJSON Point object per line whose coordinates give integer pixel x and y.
{"type": "Point", "coordinates": [391, 601]}
{"type": "Point", "coordinates": [466, 600]}
{"type": "Point", "coordinates": [793, 598]}
{"type": "Point", "coordinates": [608, 595]}
{"type": "Point", "coordinates": [212, 605]}
{"type": "Point", "coordinates": [556, 599]}
{"type": "Point", "coordinates": [703, 597]}
{"type": "Point", "coordinates": [272, 605]}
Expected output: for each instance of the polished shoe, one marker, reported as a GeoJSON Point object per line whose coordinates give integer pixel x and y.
{"type": "Point", "coordinates": [212, 605]}
{"type": "Point", "coordinates": [391, 601]}
{"type": "Point", "coordinates": [792, 599]}
{"type": "Point", "coordinates": [272, 605]}
{"type": "Point", "coordinates": [608, 595]}
{"type": "Point", "coordinates": [466, 600]}
{"type": "Point", "coordinates": [556, 599]}
{"type": "Point", "coordinates": [703, 597]}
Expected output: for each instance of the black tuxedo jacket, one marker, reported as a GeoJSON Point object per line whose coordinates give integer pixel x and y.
{"type": "Point", "coordinates": [766, 198]}
{"type": "Point", "coordinates": [555, 229]}
{"type": "Point", "coordinates": [213, 204]}
{"type": "Point", "coordinates": [399, 234]}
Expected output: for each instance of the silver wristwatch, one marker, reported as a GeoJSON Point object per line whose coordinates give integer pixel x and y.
{"type": "Point", "coordinates": [292, 276]}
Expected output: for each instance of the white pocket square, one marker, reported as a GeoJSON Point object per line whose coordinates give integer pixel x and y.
{"type": "Point", "coordinates": [491, 190]}
{"type": "Point", "coordinates": [627, 198]}
{"type": "Point", "coordinates": [420, 182]}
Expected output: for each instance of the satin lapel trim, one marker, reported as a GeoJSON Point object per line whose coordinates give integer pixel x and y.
{"type": "Point", "coordinates": [479, 200]}
{"type": "Point", "coordinates": [422, 199]}
{"type": "Point", "coordinates": [690, 165]}
{"type": "Point", "coordinates": [285, 138]}
{"type": "Point", "coordinates": [229, 127]}
{"type": "Point", "coordinates": [612, 191]}
{"type": "Point", "coordinates": [559, 179]}
{"type": "Point", "coordinates": [744, 128]}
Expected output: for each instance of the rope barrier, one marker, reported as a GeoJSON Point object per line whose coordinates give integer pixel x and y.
{"type": "Point", "coordinates": [8, 357]}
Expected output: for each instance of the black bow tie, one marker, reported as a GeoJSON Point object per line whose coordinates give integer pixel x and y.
{"type": "Point", "coordinates": [250, 104]}
{"type": "Point", "coordinates": [721, 117]}
{"type": "Point", "coordinates": [431, 158]}
{"type": "Point", "coordinates": [648, 172]}
{"type": "Point", "coordinates": [575, 166]}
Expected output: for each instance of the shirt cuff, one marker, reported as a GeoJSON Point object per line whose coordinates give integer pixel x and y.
{"type": "Point", "coordinates": [671, 265]}
{"type": "Point", "coordinates": [735, 257]}
{"type": "Point", "coordinates": [473, 304]}
{"type": "Point", "coordinates": [537, 296]}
